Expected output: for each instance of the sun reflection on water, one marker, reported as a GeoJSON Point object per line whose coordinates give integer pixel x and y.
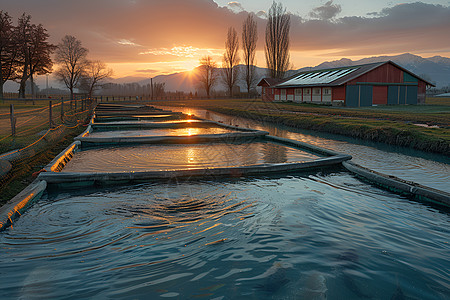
{"type": "Point", "coordinates": [190, 154]}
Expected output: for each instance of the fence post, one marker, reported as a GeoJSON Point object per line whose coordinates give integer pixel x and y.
{"type": "Point", "coordinates": [62, 108]}
{"type": "Point", "coordinates": [50, 113]}
{"type": "Point", "coordinates": [13, 120]}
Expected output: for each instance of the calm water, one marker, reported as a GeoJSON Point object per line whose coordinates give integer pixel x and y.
{"type": "Point", "coordinates": [169, 157]}
{"type": "Point", "coordinates": [321, 236]}
{"type": "Point", "coordinates": [188, 131]}
{"type": "Point", "coordinates": [429, 169]}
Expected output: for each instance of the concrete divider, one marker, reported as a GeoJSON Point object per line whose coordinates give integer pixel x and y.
{"type": "Point", "coordinates": [193, 139]}
{"type": "Point", "coordinates": [133, 112]}
{"type": "Point", "coordinates": [17, 205]}
{"type": "Point", "coordinates": [58, 163]}
{"type": "Point", "coordinates": [305, 146]}
{"type": "Point", "coordinates": [398, 185]}
{"type": "Point", "coordinates": [148, 125]}
{"type": "Point", "coordinates": [237, 128]}
{"type": "Point", "coordinates": [106, 178]}
{"type": "Point", "coordinates": [86, 132]}
{"type": "Point", "coordinates": [137, 117]}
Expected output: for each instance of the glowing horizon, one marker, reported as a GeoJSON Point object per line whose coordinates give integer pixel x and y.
{"type": "Point", "coordinates": [150, 38]}
{"type": "Point", "coordinates": [299, 59]}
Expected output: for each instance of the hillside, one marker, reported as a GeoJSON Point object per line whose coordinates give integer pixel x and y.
{"type": "Point", "coordinates": [435, 69]}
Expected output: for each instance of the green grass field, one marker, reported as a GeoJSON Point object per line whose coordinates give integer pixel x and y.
{"type": "Point", "coordinates": [438, 101]}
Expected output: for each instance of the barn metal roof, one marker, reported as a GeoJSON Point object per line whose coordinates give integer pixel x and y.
{"type": "Point", "coordinates": [319, 77]}
{"type": "Point", "coordinates": [269, 81]}
{"type": "Point", "coordinates": [335, 76]}
{"type": "Point", "coordinates": [328, 77]}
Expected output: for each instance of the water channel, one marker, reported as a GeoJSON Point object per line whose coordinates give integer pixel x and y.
{"type": "Point", "coordinates": [428, 169]}
{"type": "Point", "coordinates": [311, 235]}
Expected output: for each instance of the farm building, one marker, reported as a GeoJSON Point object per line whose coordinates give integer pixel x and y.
{"type": "Point", "coordinates": [352, 86]}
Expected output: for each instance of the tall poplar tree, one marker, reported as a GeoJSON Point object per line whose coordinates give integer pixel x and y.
{"type": "Point", "coordinates": [249, 39]}
{"type": "Point", "coordinates": [230, 60]}
{"type": "Point", "coordinates": [277, 41]}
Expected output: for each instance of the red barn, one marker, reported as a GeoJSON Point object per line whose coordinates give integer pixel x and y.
{"type": "Point", "coordinates": [353, 86]}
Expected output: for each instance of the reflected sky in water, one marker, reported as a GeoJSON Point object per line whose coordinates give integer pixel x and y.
{"type": "Point", "coordinates": [311, 235]}
{"type": "Point", "coordinates": [429, 169]}
{"type": "Point", "coordinates": [188, 131]}
{"type": "Point", "coordinates": [186, 156]}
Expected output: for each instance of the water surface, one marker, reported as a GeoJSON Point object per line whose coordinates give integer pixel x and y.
{"type": "Point", "coordinates": [429, 169]}
{"type": "Point", "coordinates": [294, 237]}
{"type": "Point", "coordinates": [188, 131]}
{"type": "Point", "coordinates": [149, 157]}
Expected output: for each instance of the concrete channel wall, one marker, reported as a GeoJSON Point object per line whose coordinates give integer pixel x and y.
{"type": "Point", "coordinates": [397, 185]}
{"type": "Point", "coordinates": [17, 205]}
{"type": "Point", "coordinates": [201, 138]}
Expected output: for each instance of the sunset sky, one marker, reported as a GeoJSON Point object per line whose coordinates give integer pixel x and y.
{"type": "Point", "coordinates": [146, 38]}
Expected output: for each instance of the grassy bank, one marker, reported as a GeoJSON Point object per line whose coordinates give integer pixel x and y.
{"type": "Point", "coordinates": [39, 143]}
{"type": "Point", "coordinates": [22, 171]}
{"type": "Point", "coordinates": [395, 125]}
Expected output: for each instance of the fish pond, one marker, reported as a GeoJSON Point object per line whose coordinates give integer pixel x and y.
{"type": "Point", "coordinates": [319, 234]}
{"type": "Point", "coordinates": [324, 235]}
{"type": "Point", "coordinates": [428, 169]}
{"type": "Point", "coordinates": [178, 157]}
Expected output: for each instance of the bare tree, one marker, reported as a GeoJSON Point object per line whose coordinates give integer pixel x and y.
{"type": "Point", "coordinates": [230, 60]}
{"type": "Point", "coordinates": [39, 52]}
{"type": "Point", "coordinates": [277, 41]}
{"type": "Point", "coordinates": [8, 50]}
{"type": "Point", "coordinates": [207, 73]}
{"type": "Point", "coordinates": [23, 38]}
{"type": "Point", "coordinates": [71, 56]}
{"type": "Point", "coordinates": [249, 39]}
{"type": "Point", "coordinates": [95, 72]}
{"type": "Point", "coordinates": [34, 52]}
{"type": "Point", "coordinates": [159, 89]}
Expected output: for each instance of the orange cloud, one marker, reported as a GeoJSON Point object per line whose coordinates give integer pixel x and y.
{"type": "Point", "coordinates": [162, 32]}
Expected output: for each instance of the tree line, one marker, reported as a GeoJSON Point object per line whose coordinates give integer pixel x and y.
{"type": "Point", "coordinates": [276, 53]}
{"type": "Point", "coordinates": [25, 52]}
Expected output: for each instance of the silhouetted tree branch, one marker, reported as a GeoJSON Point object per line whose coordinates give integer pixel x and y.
{"type": "Point", "coordinates": [8, 50]}
{"type": "Point", "coordinates": [230, 60]}
{"type": "Point", "coordinates": [34, 52]}
{"type": "Point", "coordinates": [277, 41]}
{"type": "Point", "coordinates": [95, 72]}
{"type": "Point", "coordinates": [249, 39]}
{"type": "Point", "coordinates": [40, 52]}
{"type": "Point", "coordinates": [207, 74]}
{"type": "Point", "coordinates": [71, 56]}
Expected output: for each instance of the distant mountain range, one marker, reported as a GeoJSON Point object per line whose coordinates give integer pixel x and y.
{"type": "Point", "coordinates": [435, 69]}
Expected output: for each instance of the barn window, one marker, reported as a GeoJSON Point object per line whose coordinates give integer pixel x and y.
{"type": "Point", "coordinates": [316, 91]}
{"type": "Point", "coordinates": [306, 91]}
{"type": "Point", "coordinates": [283, 92]}
{"type": "Point", "coordinates": [298, 92]}
{"type": "Point", "coordinates": [326, 91]}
